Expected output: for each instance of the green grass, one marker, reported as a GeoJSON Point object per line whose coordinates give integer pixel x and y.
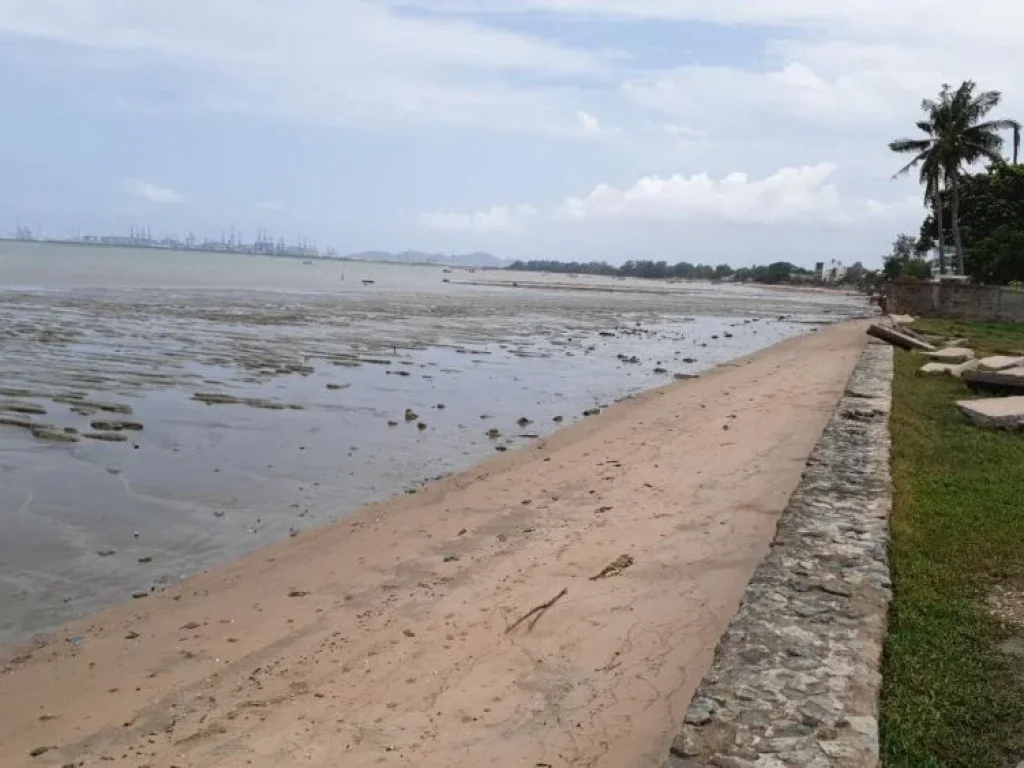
{"type": "Point", "coordinates": [950, 697]}
{"type": "Point", "coordinates": [986, 338]}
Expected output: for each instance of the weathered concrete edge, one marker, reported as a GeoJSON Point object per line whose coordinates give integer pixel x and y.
{"type": "Point", "coordinates": [796, 677]}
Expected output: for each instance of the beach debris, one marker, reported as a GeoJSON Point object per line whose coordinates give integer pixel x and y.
{"type": "Point", "coordinates": [659, 369]}
{"type": "Point", "coordinates": [523, 421]}
{"type": "Point", "coordinates": [462, 532]}
{"type": "Point", "coordinates": [602, 510]}
{"type": "Point", "coordinates": [615, 567]}
{"type": "Point", "coordinates": [192, 625]}
{"type": "Point", "coordinates": [421, 426]}
{"type": "Point", "coordinates": [557, 419]}
{"type": "Point", "coordinates": [440, 406]}
{"type": "Point", "coordinates": [146, 559]}
{"type": "Point", "coordinates": [451, 558]}
{"type": "Point", "coordinates": [106, 552]}
{"type": "Point", "coordinates": [954, 355]}
{"type": "Point", "coordinates": [132, 636]}
{"type": "Point", "coordinates": [607, 334]}
{"type": "Point", "coordinates": [929, 369]}
{"type": "Point", "coordinates": [899, 339]}
{"type": "Point", "coordinates": [592, 412]}
{"type": "Point", "coordinates": [501, 448]}
{"type": "Point", "coordinates": [411, 415]}
{"type": "Point", "coordinates": [1009, 381]}
{"type": "Point", "coordinates": [494, 433]}
{"type": "Point", "coordinates": [408, 633]}
{"type": "Point", "coordinates": [392, 423]}
{"type": "Point", "coordinates": [139, 595]}
{"type": "Point", "coordinates": [1000, 362]}
{"type": "Point", "coordinates": [684, 376]}
{"type": "Point", "coordinates": [297, 593]}
{"type": "Point", "coordinates": [336, 387]}
{"type": "Point", "coordinates": [76, 639]}
{"type": "Point", "coordinates": [995, 413]}
{"type": "Point", "coordinates": [689, 360]}
{"type": "Point", "coordinates": [534, 614]}
{"type": "Point", "coordinates": [40, 751]}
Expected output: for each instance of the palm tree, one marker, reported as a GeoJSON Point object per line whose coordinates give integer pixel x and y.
{"type": "Point", "coordinates": [927, 160]}
{"type": "Point", "coordinates": [957, 136]}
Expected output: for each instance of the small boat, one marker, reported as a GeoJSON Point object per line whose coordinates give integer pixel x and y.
{"type": "Point", "coordinates": [368, 282]}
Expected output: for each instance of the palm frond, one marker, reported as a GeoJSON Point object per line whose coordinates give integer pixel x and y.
{"type": "Point", "coordinates": [909, 145]}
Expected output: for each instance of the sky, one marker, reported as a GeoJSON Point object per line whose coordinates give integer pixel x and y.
{"type": "Point", "coordinates": [716, 131]}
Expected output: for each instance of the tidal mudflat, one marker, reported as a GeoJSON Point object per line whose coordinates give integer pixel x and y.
{"type": "Point", "coordinates": [150, 430]}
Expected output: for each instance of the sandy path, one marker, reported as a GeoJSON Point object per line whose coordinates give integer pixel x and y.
{"type": "Point", "coordinates": [381, 640]}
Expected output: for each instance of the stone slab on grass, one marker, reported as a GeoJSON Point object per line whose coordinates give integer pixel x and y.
{"type": "Point", "coordinates": [995, 412]}
{"type": "Point", "coordinates": [1000, 362]}
{"type": "Point", "coordinates": [952, 355]}
{"type": "Point", "coordinates": [898, 339]}
{"type": "Point", "coordinates": [898, 320]}
{"type": "Point", "coordinates": [948, 369]}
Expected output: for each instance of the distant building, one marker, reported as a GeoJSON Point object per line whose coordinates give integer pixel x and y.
{"type": "Point", "coordinates": [833, 271]}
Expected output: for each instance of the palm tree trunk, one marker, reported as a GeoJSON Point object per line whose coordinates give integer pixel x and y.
{"type": "Point", "coordinates": [957, 241]}
{"type": "Point", "coordinates": [938, 231]}
{"type": "Point", "coordinates": [1016, 143]}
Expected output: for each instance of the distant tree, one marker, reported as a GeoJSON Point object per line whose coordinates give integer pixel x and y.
{"type": "Point", "coordinates": [904, 261]}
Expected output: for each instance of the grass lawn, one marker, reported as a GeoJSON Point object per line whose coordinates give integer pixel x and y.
{"type": "Point", "coordinates": [952, 695]}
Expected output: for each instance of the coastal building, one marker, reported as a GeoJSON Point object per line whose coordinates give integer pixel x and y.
{"type": "Point", "coordinates": [832, 271]}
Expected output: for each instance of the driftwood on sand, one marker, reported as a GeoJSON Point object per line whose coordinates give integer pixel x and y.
{"type": "Point", "coordinates": [537, 612]}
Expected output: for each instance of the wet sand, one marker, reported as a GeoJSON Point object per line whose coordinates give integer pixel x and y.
{"type": "Point", "coordinates": [388, 638]}
{"type": "Point", "coordinates": [161, 413]}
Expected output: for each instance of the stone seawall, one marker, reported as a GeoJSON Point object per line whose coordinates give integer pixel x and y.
{"type": "Point", "coordinates": [796, 676]}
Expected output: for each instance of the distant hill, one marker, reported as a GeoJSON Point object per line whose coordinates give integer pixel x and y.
{"type": "Point", "coordinates": [422, 257]}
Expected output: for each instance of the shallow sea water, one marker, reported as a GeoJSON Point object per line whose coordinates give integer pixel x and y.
{"type": "Point", "coordinates": [308, 365]}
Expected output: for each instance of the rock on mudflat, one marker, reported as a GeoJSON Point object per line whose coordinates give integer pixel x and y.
{"type": "Point", "coordinates": [995, 412]}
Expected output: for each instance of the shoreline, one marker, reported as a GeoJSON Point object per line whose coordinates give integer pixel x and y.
{"type": "Point", "coordinates": [382, 636]}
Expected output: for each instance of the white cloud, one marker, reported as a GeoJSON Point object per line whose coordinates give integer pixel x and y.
{"type": "Point", "coordinates": [590, 124]}
{"type": "Point", "coordinates": [326, 61]}
{"type": "Point", "coordinates": [153, 192]}
{"type": "Point", "coordinates": [791, 194]}
{"type": "Point", "coordinates": [499, 219]}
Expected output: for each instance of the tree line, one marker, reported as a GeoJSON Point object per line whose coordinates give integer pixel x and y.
{"type": "Point", "coordinates": [981, 213]}
{"type": "Point", "coordinates": [779, 272]}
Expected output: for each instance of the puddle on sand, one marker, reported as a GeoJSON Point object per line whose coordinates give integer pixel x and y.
{"type": "Point", "coordinates": [293, 423]}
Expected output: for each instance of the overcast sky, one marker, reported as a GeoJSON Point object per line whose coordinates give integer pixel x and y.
{"type": "Point", "coordinates": [706, 130]}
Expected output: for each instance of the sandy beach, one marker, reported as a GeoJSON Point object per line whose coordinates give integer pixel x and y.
{"type": "Point", "coordinates": [385, 639]}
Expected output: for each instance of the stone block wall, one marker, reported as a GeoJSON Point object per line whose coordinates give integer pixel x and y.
{"type": "Point", "coordinates": [957, 301]}
{"type": "Point", "coordinates": [797, 674]}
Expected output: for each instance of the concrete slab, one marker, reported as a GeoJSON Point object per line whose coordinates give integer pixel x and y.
{"type": "Point", "coordinates": [954, 355]}
{"type": "Point", "coordinates": [957, 343]}
{"type": "Point", "coordinates": [898, 320]}
{"type": "Point", "coordinates": [948, 369]}
{"type": "Point", "coordinates": [898, 339]}
{"type": "Point", "coordinates": [995, 412]}
{"type": "Point", "coordinates": [1001, 362]}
